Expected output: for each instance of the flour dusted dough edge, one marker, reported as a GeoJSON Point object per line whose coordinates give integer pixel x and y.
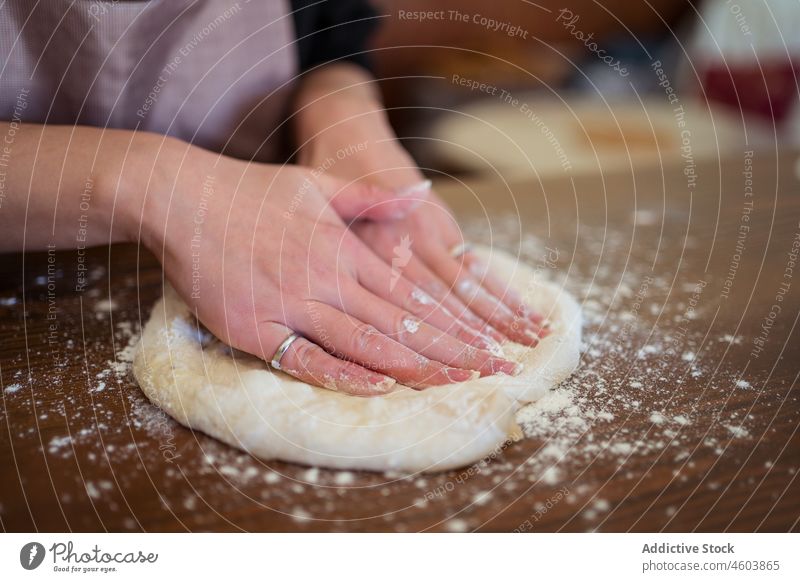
{"type": "Point", "coordinates": [238, 399]}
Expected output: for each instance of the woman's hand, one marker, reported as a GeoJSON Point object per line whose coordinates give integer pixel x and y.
{"type": "Point", "coordinates": [421, 244]}
{"type": "Point", "coordinates": [261, 251]}
{"type": "Point", "coordinates": [462, 284]}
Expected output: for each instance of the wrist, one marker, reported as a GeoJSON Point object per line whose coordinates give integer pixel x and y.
{"type": "Point", "coordinates": [333, 123]}
{"type": "Point", "coordinates": [146, 183]}
{"type": "Point", "coordinates": [341, 125]}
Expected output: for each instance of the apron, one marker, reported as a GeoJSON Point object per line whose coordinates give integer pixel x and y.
{"type": "Point", "coordinates": [215, 73]}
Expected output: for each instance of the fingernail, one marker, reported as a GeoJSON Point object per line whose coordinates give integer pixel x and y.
{"type": "Point", "coordinates": [459, 375]}
{"type": "Point", "coordinates": [505, 366]}
{"type": "Point", "coordinates": [384, 384]}
{"type": "Point", "coordinates": [529, 313]}
{"type": "Point", "coordinates": [542, 329]}
{"type": "Point", "coordinates": [407, 209]}
{"type": "Point", "coordinates": [533, 336]}
{"type": "Point", "coordinates": [536, 317]}
{"type": "Point", "coordinates": [419, 297]}
{"type": "Point", "coordinates": [418, 188]}
{"type": "Point", "coordinates": [528, 327]}
{"type": "Point", "coordinates": [478, 269]}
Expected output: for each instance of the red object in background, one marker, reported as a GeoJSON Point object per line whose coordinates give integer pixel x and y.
{"type": "Point", "coordinates": [768, 91]}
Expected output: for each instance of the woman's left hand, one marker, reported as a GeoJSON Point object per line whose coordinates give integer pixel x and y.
{"type": "Point", "coordinates": [459, 282]}
{"type": "Point", "coordinates": [423, 246]}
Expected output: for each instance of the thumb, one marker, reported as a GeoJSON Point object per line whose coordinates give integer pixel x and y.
{"type": "Point", "coordinates": [357, 200]}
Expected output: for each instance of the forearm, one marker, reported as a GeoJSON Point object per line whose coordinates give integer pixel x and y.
{"type": "Point", "coordinates": [338, 108]}
{"type": "Point", "coordinates": [339, 92]}
{"type": "Point", "coordinates": [69, 186]}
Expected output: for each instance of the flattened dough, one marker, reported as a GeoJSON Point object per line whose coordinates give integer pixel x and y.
{"type": "Point", "coordinates": [240, 400]}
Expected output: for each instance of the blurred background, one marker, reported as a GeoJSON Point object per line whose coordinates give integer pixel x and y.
{"type": "Point", "coordinates": [582, 86]}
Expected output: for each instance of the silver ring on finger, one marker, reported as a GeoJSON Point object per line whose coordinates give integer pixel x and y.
{"type": "Point", "coordinates": [282, 349]}
{"type": "Point", "coordinates": [460, 249]}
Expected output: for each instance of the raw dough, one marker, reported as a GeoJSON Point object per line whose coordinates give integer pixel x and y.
{"type": "Point", "coordinates": [240, 400]}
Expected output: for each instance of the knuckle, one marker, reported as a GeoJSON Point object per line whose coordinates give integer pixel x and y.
{"type": "Point", "coordinates": [405, 324]}
{"type": "Point", "coordinates": [462, 333]}
{"type": "Point", "coordinates": [472, 356]}
{"type": "Point", "coordinates": [412, 303]}
{"type": "Point", "coordinates": [365, 338]}
{"type": "Point", "coordinates": [435, 288]}
{"type": "Point", "coordinates": [305, 353]}
{"type": "Point", "coordinates": [419, 302]}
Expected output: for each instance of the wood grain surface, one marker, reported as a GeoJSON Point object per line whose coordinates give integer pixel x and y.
{"type": "Point", "coordinates": [683, 415]}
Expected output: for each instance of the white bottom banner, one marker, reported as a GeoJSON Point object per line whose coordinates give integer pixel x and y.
{"type": "Point", "coordinates": [353, 557]}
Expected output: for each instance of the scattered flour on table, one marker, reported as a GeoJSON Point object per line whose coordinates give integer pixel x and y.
{"type": "Point", "coordinates": [457, 525]}
{"type": "Point", "coordinates": [344, 478]}
{"type": "Point", "coordinates": [300, 514]}
{"type": "Point", "coordinates": [103, 307]}
{"type": "Point", "coordinates": [626, 402]}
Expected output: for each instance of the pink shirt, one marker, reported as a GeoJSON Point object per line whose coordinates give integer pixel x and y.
{"type": "Point", "coordinates": [216, 73]}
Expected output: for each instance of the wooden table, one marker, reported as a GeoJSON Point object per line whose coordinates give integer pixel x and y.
{"type": "Point", "coordinates": [682, 421]}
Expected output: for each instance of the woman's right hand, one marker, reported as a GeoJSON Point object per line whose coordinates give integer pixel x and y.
{"type": "Point", "coordinates": [261, 251]}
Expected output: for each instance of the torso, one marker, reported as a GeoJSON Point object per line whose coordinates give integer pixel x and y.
{"type": "Point", "coordinates": [212, 72]}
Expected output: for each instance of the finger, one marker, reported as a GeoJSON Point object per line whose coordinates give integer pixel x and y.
{"type": "Point", "coordinates": [398, 253]}
{"type": "Point", "coordinates": [308, 362]}
{"type": "Point", "coordinates": [351, 339]}
{"type": "Point", "coordinates": [357, 200]}
{"type": "Point", "coordinates": [483, 303]}
{"type": "Point", "coordinates": [418, 273]}
{"type": "Point", "coordinates": [508, 295]}
{"type": "Point", "coordinates": [389, 284]}
{"type": "Point", "coordinates": [421, 337]}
